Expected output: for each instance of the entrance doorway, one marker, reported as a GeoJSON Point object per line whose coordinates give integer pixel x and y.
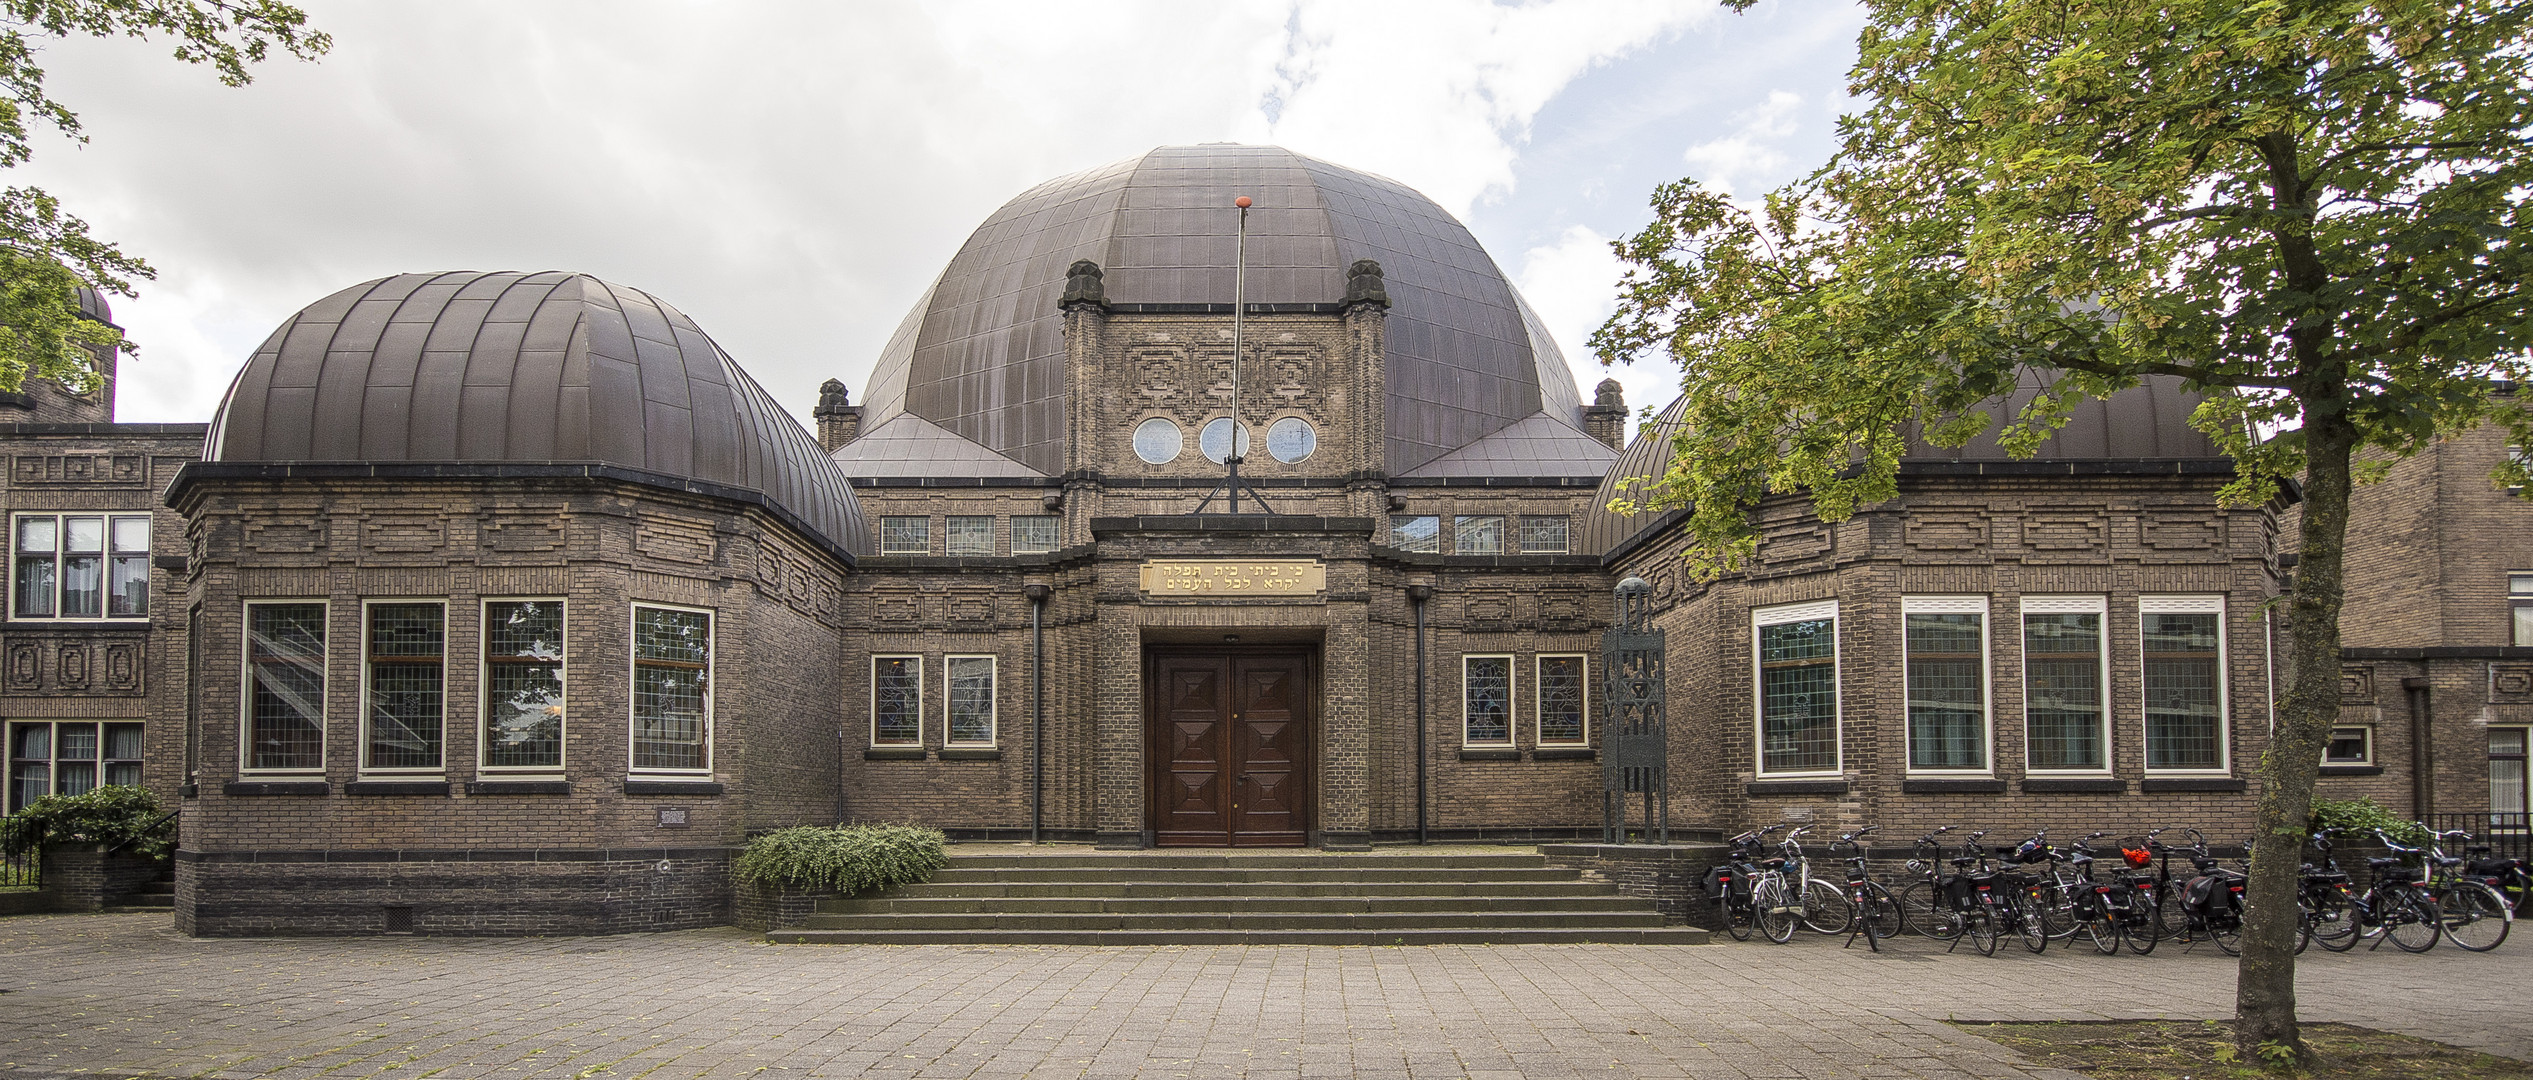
{"type": "Point", "coordinates": [1228, 736]}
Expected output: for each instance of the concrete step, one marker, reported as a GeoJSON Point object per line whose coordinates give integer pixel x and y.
{"type": "Point", "coordinates": [1227, 903]}
{"type": "Point", "coordinates": [1228, 860]}
{"type": "Point", "coordinates": [1166, 890]}
{"type": "Point", "coordinates": [955, 874]}
{"type": "Point", "coordinates": [1571, 935]}
{"type": "Point", "coordinates": [1263, 920]}
{"type": "Point", "coordinates": [155, 888]}
{"type": "Point", "coordinates": [145, 902]}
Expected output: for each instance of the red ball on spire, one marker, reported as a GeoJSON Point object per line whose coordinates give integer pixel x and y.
{"type": "Point", "coordinates": [1241, 202]}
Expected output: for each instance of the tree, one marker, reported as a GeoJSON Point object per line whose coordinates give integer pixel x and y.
{"type": "Point", "coordinates": [2312, 210]}
{"type": "Point", "coordinates": [46, 255]}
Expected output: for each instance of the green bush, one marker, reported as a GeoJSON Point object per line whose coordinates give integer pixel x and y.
{"type": "Point", "coordinates": [846, 858]}
{"type": "Point", "coordinates": [126, 817]}
{"type": "Point", "coordinates": [2359, 818]}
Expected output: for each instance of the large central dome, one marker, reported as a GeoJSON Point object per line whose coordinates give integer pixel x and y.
{"type": "Point", "coordinates": [982, 354]}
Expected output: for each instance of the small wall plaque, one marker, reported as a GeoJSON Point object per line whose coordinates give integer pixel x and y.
{"type": "Point", "coordinates": [1234, 577]}
{"type": "Point", "coordinates": [672, 817]}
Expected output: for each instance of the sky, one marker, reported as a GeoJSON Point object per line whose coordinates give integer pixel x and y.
{"type": "Point", "coordinates": [793, 175]}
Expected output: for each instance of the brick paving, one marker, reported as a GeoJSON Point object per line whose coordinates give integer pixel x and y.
{"type": "Point", "coordinates": [121, 994]}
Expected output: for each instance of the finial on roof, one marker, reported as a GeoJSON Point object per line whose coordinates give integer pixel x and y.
{"type": "Point", "coordinates": [1082, 285]}
{"type": "Point", "coordinates": [831, 397]}
{"type": "Point", "coordinates": [1364, 284]}
{"type": "Point", "coordinates": [1610, 393]}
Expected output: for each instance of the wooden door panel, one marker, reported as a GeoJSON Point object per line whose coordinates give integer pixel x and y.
{"type": "Point", "coordinates": [1233, 735]}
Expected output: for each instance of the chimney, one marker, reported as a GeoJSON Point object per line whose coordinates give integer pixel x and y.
{"type": "Point", "coordinates": [1606, 417]}
{"type": "Point", "coordinates": [839, 420]}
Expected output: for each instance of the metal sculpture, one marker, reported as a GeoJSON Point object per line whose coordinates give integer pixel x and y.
{"type": "Point", "coordinates": [1635, 744]}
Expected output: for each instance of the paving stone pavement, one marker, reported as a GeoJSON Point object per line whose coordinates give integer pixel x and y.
{"type": "Point", "coordinates": [124, 995]}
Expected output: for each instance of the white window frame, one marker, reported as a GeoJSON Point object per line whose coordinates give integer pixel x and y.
{"type": "Point", "coordinates": [993, 701]}
{"type": "Point", "coordinates": [2077, 604]}
{"type": "Point", "coordinates": [53, 754]}
{"type": "Point", "coordinates": [927, 535]}
{"type": "Point", "coordinates": [1500, 545]}
{"type": "Point", "coordinates": [1953, 605]}
{"type": "Point", "coordinates": [633, 677]}
{"type": "Point", "coordinates": [1058, 545]}
{"type": "Point", "coordinates": [368, 602]}
{"type": "Point", "coordinates": [1538, 681]}
{"type": "Point", "coordinates": [1512, 700]}
{"type": "Point", "coordinates": [484, 683]}
{"type": "Point", "coordinates": [2189, 604]}
{"type": "Point", "coordinates": [246, 686]}
{"type": "Point", "coordinates": [1436, 549]}
{"type": "Point", "coordinates": [1781, 615]}
{"type": "Point", "coordinates": [1521, 538]}
{"type": "Point", "coordinates": [950, 520]}
{"type": "Point", "coordinates": [105, 567]}
{"type": "Point", "coordinates": [873, 691]}
{"type": "Point", "coordinates": [2368, 730]}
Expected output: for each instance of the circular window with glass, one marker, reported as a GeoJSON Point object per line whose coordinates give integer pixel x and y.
{"type": "Point", "coordinates": [1292, 439]}
{"type": "Point", "coordinates": [1158, 441]}
{"type": "Point", "coordinates": [1215, 439]}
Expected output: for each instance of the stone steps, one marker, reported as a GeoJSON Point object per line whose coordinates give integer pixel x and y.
{"type": "Point", "coordinates": [1216, 897]}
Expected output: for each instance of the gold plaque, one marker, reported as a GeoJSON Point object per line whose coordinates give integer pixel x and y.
{"type": "Point", "coordinates": [1234, 577]}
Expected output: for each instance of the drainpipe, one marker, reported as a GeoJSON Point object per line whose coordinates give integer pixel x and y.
{"type": "Point", "coordinates": [1037, 709]}
{"type": "Point", "coordinates": [1417, 595]}
{"type": "Point", "coordinates": [2422, 751]}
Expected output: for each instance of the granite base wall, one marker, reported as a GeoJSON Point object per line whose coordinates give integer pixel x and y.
{"type": "Point", "coordinates": [86, 877]}
{"type": "Point", "coordinates": [763, 907]}
{"type": "Point", "coordinates": [340, 893]}
{"type": "Point", "coordinates": [1670, 875]}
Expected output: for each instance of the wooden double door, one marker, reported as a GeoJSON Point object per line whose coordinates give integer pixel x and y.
{"type": "Point", "coordinates": [1229, 738]}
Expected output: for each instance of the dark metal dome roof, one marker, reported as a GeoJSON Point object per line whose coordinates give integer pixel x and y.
{"type": "Point", "coordinates": [982, 354]}
{"type": "Point", "coordinates": [92, 303]}
{"type": "Point", "coordinates": [2147, 423]}
{"type": "Point", "coordinates": [467, 367]}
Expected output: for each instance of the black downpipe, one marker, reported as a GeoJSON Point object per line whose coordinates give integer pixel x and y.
{"type": "Point", "coordinates": [1418, 594]}
{"type": "Point", "coordinates": [1037, 711]}
{"type": "Point", "coordinates": [2422, 748]}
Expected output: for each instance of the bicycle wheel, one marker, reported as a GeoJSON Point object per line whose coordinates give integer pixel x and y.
{"type": "Point", "coordinates": [1927, 913]}
{"type": "Point", "coordinates": [2145, 930]}
{"type": "Point", "coordinates": [1825, 908]}
{"type": "Point", "coordinates": [1982, 930]}
{"type": "Point", "coordinates": [1736, 920]}
{"type": "Point", "coordinates": [2103, 929]}
{"type": "Point", "coordinates": [2304, 925]}
{"type": "Point", "coordinates": [2474, 915]}
{"type": "Point", "coordinates": [2339, 922]}
{"type": "Point", "coordinates": [2171, 912]}
{"type": "Point", "coordinates": [1774, 911]}
{"type": "Point", "coordinates": [2226, 928]}
{"type": "Point", "coordinates": [1883, 916]}
{"type": "Point", "coordinates": [2414, 924]}
{"type": "Point", "coordinates": [2028, 920]}
{"type": "Point", "coordinates": [2058, 915]}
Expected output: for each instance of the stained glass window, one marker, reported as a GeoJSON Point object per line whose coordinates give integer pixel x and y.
{"type": "Point", "coordinates": [1947, 688]}
{"type": "Point", "coordinates": [896, 700]}
{"type": "Point", "coordinates": [1798, 696]}
{"type": "Point", "coordinates": [1562, 700]}
{"type": "Point", "coordinates": [672, 669]}
{"type": "Point", "coordinates": [2062, 691]}
{"type": "Point", "coordinates": [285, 660]}
{"type": "Point", "coordinates": [1487, 700]}
{"type": "Point", "coordinates": [523, 684]}
{"type": "Point", "coordinates": [406, 654]}
{"type": "Point", "coordinates": [2185, 726]}
{"type": "Point", "coordinates": [971, 699]}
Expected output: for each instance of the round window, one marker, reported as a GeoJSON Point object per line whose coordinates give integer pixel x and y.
{"type": "Point", "coordinates": [1158, 441]}
{"type": "Point", "coordinates": [1292, 439]}
{"type": "Point", "coordinates": [1215, 439]}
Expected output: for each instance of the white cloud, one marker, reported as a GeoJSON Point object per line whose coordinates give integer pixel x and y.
{"type": "Point", "coordinates": [1747, 160]}
{"type": "Point", "coordinates": [1573, 284]}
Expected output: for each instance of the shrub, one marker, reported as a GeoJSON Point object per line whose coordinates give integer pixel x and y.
{"type": "Point", "coordinates": [126, 817]}
{"type": "Point", "coordinates": [2360, 817]}
{"type": "Point", "coordinates": [846, 858]}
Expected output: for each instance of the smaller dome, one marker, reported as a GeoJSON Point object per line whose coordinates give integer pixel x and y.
{"type": "Point", "coordinates": [92, 304]}
{"type": "Point", "coordinates": [546, 368]}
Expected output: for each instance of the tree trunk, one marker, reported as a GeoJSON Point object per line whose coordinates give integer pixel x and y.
{"type": "Point", "coordinates": [2265, 983]}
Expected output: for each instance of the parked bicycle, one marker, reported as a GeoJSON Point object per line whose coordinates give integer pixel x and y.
{"type": "Point", "coordinates": [1728, 883]}
{"type": "Point", "coordinates": [2104, 908]}
{"type": "Point", "coordinates": [1872, 911]}
{"type": "Point", "coordinates": [2475, 914]}
{"type": "Point", "coordinates": [1922, 903]}
{"type": "Point", "coordinates": [2395, 907]}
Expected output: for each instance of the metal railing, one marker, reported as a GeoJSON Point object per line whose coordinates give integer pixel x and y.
{"type": "Point", "coordinates": [20, 871]}
{"type": "Point", "coordinates": [2507, 834]}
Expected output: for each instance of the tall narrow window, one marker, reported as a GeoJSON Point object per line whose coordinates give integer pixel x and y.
{"type": "Point", "coordinates": [897, 701]}
{"type": "Point", "coordinates": [285, 697]}
{"type": "Point", "coordinates": [1544, 535]}
{"type": "Point", "coordinates": [1416, 532]}
{"type": "Point", "coordinates": [2063, 714]}
{"type": "Point", "coordinates": [128, 577]}
{"type": "Point", "coordinates": [2184, 669]}
{"type": "Point", "coordinates": [2507, 787]}
{"type": "Point", "coordinates": [81, 566]}
{"type": "Point", "coordinates": [39, 551]}
{"type": "Point", "coordinates": [2520, 608]}
{"type": "Point", "coordinates": [523, 684]}
{"type": "Point", "coordinates": [407, 658]}
{"type": "Point", "coordinates": [1564, 701]}
{"type": "Point", "coordinates": [1946, 640]}
{"type": "Point", "coordinates": [1035, 534]}
{"type": "Point", "coordinates": [1798, 688]}
{"type": "Point", "coordinates": [1477, 534]}
{"type": "Point", "coordinates": [1486, 700]}
{"type": "Point", "coordinates": [969, 534]}
{"type": "Point", "coordinates": [970, 699]}
{"type": "Point", "coordinates": [906, 535]}
{"type": "Point", "coordinates": [672, 690]}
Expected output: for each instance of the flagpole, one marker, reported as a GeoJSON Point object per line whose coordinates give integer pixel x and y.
{"type": "Point", "coordinates": [1239, 304]}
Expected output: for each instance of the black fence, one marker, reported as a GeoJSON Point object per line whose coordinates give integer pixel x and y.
{"type": "Point", "coordinates": [2507, 834]}
{"type": "Point", "coordinates": [20, 871]}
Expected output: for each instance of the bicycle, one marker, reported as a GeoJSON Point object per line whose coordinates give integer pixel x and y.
{"type": "Point", "coordinates": [2509, 876]}
{"type": "Point", "coordinates": [2051, 897]}
{"type": "Point", "coordinates": [2475, 916]}
{"type": "Point", "coordinates": [2212, 901]}
{"type": "Point", "coordinates": [1728, 883]}
{"type": "Point", "coordinates": [1922, 903]}
{"type": "Point", "coordinates": [2014, 899]}
{"type": "Point", "coordinates": [1824, 904]}
{"type": "Point", "coordinates": [2103, 909]}
{"type": "Point", "coordinates": [1872, 911]}
{"type": "Point", "coordinates": [2396, 904]}
{"type": "Point", "coordinates": [2144, 924]}
{"type": "Point", "coordinates": [1775, 908]}
{"type": "Point", "coordinates": [2322, 903]}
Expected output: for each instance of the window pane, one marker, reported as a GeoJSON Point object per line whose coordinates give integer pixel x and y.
{"type": "Point", "coordinates": [2524, 624]}
{"type": "Point", "coordinates": [970, 535]}
{"type": "Point", "coordinates": [905, 535]}
{"type": "Point", "coordinates": [405, 643]}
{"type": "Point", "coordinates": [971, 699]}
{"type": "Point", "coordinates": [2520, 585]}
{"type": "Point", "coordinates": [2062, 695]}
{"type": "Point", "coordinates": [1947, 692]}
{"type": "Point", "coordinates": [1544, 535]}
{"type": "Point", "coordinates": [671, 652]}
{"type": "Point", "coordinates": [83, 535]}
{"type": "Point", "coordinates": [128, 590]}
{"type": "Point", "coordinates": [1033, 535]}
{"type": "Point", "coordinates": [1561, 699]}
{"type": "Point", "coordinates": [83, 586]}
{"type": "Point", "coordinates": [123, 742]}
{"type": "Point", "coordinates": [29, 781]}
{"type": "Point", "coordinates": [1416, 532]}
{"type": "Point", "coordinates": [35, 585]}
{"type": "Point", "coordinates": [75, 777]}
{"type": "Point", "coordinates": [286, 705]}
{"type": "Point", "coordinates": [132, 536]}
{"type": "Point", "coordinates": [123, 773]}
{"type": "Point", "coordinates": [2347, 747]}
{"type": "Point", "coordinates": [78, 741]}
{"type": "Point", "coordinates": [896, 697]}
{"type": "Point", "coordinates": [1478, 535]}
{"type": "Point", "coordinates": [2506, 775]}
{"type": "Point", "coordinates": [1487, 699]}
{"type": "Point", "coordinates": [523, 689]}
{"type": "Point", "coordinates": [1798, 696]}
{"type": "Point", "coordinates": [34, 741]}
{"type": "Point", "coordinates": [2183, 725]}
{"type": "Point", "coordinates": [36, 535]}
